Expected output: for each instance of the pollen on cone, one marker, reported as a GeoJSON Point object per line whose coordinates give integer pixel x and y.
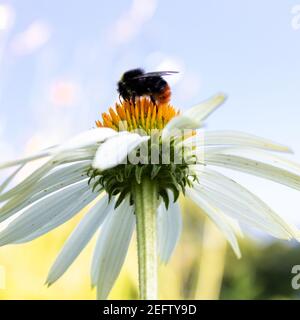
{"type": "Point", "coordinates": [143, 114]}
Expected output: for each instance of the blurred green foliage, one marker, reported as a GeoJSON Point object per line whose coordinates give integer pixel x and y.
{"type": "Point", "coordinates": [264, 272]}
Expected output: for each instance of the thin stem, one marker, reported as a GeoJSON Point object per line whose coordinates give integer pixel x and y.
{"type": "Point", "coordinates": [145, 200]}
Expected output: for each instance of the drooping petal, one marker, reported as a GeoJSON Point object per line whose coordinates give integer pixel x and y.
{"type": "Point", "coordinates": [169, 230]}
{"type": "Point", "coordinates": [261, 156]}
{"type": "Point", "coordinates": [8, 180]}
{"type": "Point", "coordinates": [115, 150]}
{"type": "Point", "coordinates": [79, 239]}
{"type": "Point", "coordinates": [254, 167]}
{"type": "Point", "coordinates": [240, 211]}
{"type": "Point", "coordinates": [24, 160]}
{"type": "Point", "coordinates": [111, 248]}
{"type": "Point", "coordinates": [218, 217]}
{"type": "Point", "coordinates": [29, 182]}
{"type": "Point", "coordinates": [238, 192]}
{"type": "Point", "coordinates": [53, 182]}
{"type": "Point", "coordinates": [87, 138]}
{"type": "Point", "coordinates": [74, 206]}
{"type": "Point", "coordinates": [41, 213]}
{"type": "Point", "coordinates": [194, 117]}
{"type": "Point", "coordinates": [64, 172]}
{"type": "Point", "coordinates": [241, 204]}
{"type": "Point", "coordinates": [235, 138]}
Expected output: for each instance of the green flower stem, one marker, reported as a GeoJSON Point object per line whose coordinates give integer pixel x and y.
{"type": "Point", "coordinates": [145, 200]}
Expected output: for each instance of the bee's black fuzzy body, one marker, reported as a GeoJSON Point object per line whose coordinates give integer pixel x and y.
{"type": "Point", "coordinates": [136, 83]}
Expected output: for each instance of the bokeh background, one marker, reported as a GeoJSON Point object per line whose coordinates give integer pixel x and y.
{"type": "Point", "coordinates": [59, 64]}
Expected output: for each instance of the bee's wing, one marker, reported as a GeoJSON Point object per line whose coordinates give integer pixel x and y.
{"type": "Point", "coordinates": [155, 74]}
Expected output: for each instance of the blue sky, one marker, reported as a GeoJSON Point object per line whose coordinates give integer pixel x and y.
{"type": "Point", "coordinates": [60, 60]}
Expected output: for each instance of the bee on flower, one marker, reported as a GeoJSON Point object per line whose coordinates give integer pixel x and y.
{"type": "Point", "coordinates": [130, 170]}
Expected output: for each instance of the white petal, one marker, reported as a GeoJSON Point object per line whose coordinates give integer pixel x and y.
{"type": "Point", "coordinates": [169, 229]}
{"type": "Point", "coordinates": [87, 138]}
{"type": "Point", "coordinates": [63, 172]}
{"type": "Point", "coordinates": [260, 155]}
{"type": "Point", "coordinates": [53, 178]}
{"type": "Point", "coordinates": [34, 156]}
{"type": "Point", "coordinates": [10, 178]}
{"type": "Point", "coordinates": [64, 214]}
{"type": "Point", "coordinates": [41, 212]}
{"type": "Point", "coordinates": [242, 204]}
{"type": "Point", "coordinates": [30, 181]}
{"type": "Point", "coordinates": [235, 225]}
{"type": "Point", "coordinates": [74, 155]}
{"type": "Point", "coordinates": [42, 188]}
{"type": "Point", "coordinates": [115, 150]}
{"type": "Point", "coordinates": [219, 218]}
{"type": "Point", "coordinates": [79, 238]}
{"type": "Point", "coordinates": [111, 248]}
{"type": "Point", "coordinates": [24, 187]}
{"type": "Point", "coordinates": [254, 167]}
{"type": "Point", "coordinates": [27, 183]}
{"type": "Point", "coordinates": [235, 138]}
{"type": "Point", "coordinates": [260, 212]}
{"type": "Point", "coordinates": [194, 117]}
{"type": "Point", "coordinates": [239, 211]}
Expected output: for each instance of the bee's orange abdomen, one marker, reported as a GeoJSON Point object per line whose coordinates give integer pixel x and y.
{"type": "Point", "coordinates": [165, 95]}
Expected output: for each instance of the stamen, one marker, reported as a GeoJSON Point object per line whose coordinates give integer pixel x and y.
{"type": "Point", "coordinates": [141, 115]}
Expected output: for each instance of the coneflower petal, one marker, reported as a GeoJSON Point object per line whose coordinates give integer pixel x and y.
{"type": "Point", "coordinates": [259, 155]}
{"type": "Point", "coordinates": [8, 180]}
{"type": "Point", "coordinates": [79, 238]}
{"type": "Point", "coordinates": [235, 138]}
{"type": "Point", "coordinates": [254, 167]}
{"type": "Point", "coordinates": [242, 204]}
{"type": "Point", "coordinates": [41, 212]}
{"type": "Point", "coordinates": [194, 117]}
{"type": "Point", "coordinates": [111, 248]}
{"type": "Point", "coordinates": [115, 150]}
{"type": "Point", "coordinates": [87, 138]}
{"type": "Point", "coordinates": [53, 182]}
{"type": "Point", "coordinates": [169, 229]}
{"type": "Point", "coordinates": [244, 214]}
{"type": "Point", "coordinates": [66, 213]}
{"type": "Point", "coordinates": [24, 160]}
{"type": "Point", "coordinates": [29, 182]}
{"type": "Point", "coordinates": [219, 218]}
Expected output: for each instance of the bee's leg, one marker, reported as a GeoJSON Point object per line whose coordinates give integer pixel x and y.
{"type": "Point", "coordinates": [120, 99]}
{"type": "Point", "coordinates": [133, 99]}
{"type": "Point", "coordinates": [153, 100]}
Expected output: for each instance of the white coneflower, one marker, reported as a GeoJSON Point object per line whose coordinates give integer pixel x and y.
{"type": "Point", "coordinates": [99, 168]}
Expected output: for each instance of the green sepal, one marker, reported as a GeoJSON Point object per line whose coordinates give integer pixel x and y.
{"type": "Point", "coordinates": [138, 173]}
{"type": "Point", "coordinates": [164, 194]}
{"type": "Point", "coordinates": [155, 170]}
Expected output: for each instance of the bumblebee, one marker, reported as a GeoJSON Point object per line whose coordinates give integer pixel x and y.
{"type": "Point", "coordinates": [137, 83]}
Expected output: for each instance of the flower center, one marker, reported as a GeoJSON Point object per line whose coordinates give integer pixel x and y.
{"type": "Point", "coordinates": [143, 114]}
{"type": "Point", "coordinates": [172, 176]}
